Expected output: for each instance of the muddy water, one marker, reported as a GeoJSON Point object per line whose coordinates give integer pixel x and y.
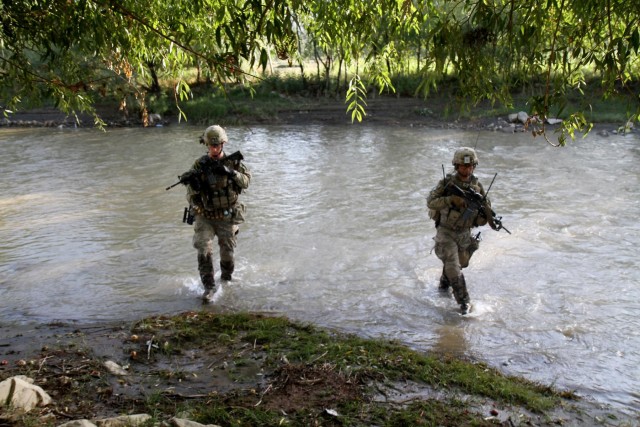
{"type": "Point", "coordinates": [337, 235]}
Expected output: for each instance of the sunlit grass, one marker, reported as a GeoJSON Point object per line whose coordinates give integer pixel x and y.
{"type": "Point", "coordinates": [305, 344]}
{"type": "Point", "coordinates": [263, 99]}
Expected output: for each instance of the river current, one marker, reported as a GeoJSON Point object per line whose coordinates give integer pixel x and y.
{"type": "Point", "coordinates": [337, 234]}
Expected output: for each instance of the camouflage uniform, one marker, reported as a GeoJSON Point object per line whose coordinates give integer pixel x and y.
{"type": "Point", "coordinates": [218, 212]}
{"type": "Point", "coordinates": [454, 244]}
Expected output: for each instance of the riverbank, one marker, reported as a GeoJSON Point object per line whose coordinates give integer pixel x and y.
{"type": "Point", "coordinates": [434, 113]}
{"type": "Point", "coordinates": [389, 111]}
{"type": "Point", "coordinates": [249, 369]}
{"type": "Point", "coordinates": [385, 111]}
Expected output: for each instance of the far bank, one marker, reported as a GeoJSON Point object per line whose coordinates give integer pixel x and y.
{"type": "Point", "coordinates": [434, 112]}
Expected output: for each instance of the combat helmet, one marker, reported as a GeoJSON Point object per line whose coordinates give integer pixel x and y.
{"type": "Point", "coordinates": [464, 156]}
{"type": "Point", "coordinates": [214, 135]}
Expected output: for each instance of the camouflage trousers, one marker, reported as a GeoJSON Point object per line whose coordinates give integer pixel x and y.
{"type": "Point", "coordinates": [454, 249]}
{"type": "Point", "coordinates": [204, 232]}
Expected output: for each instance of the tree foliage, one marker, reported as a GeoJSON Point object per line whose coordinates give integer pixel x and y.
{"type": "Point", "coordinates": [73, 51]}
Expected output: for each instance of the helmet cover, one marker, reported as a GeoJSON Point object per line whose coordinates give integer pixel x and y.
{"type": "Point", "coordinates": [465, 156]}
{"type": "Point", "coordinates": [214, 135]}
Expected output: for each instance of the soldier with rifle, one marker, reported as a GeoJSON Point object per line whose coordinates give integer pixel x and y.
{"type": "Point", "coordinates": [457, 204]}
{"type": "Point", "coordinates": [214, 184]}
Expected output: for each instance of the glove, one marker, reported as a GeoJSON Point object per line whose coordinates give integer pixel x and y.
{"type": "Point", "coordinates": [458, 202]}
{"type": "Point", "coordinates": [190, 178]}
{"type": "Point", "coordinates": [490, 221]}
{"type": "Point", "coordinates": [224, 170]}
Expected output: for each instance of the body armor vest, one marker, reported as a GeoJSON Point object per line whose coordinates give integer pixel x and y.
{"type": "Point", "coordinates": [217, 192]}
{"type": "Point", "coordinates": [452, 217]}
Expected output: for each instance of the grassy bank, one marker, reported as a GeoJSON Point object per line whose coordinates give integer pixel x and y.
{"type": "Point", "coordinates": [265, 100]}
{"type": "Point", "coordinates": [288, 99]}
{"type": "Point", "coordinates": [252, 370]}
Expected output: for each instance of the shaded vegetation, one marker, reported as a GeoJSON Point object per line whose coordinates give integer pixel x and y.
{"type": "Point", "coordinates": [76, 53]}
{"type": "Point", "coordinates": [264, 100]}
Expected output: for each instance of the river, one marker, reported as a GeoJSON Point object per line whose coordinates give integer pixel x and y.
{"type": "Point", "coordinates": [337, 234]}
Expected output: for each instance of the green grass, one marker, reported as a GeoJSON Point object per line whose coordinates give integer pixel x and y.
{"type": "Point", "coordinates": [384, 361]}
{"type": "Point", "coordinates": [262, 99]}
{"type": "Point", "coordinates": [246, 369]}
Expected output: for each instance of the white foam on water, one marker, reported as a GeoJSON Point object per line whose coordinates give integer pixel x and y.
{"type": "Point", "coordinates": [479, 309]}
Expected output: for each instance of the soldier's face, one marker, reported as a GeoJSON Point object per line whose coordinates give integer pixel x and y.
{"type": "Point", "coordinates": [465, 171]}
{"type": "Point", "coordinates": [215, 150]}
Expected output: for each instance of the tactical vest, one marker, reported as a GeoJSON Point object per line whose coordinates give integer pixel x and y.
{"type": "Point", "coordinates": [453, 218]}
{"type": "Point", "coordinates": [218, 193]}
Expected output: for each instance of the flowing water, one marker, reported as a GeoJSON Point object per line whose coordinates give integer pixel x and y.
{"type": "Point", "coordinates": [338, 235]}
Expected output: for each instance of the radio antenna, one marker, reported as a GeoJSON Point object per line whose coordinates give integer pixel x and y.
{"type": "Point", "coordinates": [490, 185]}
{"type": "Point", "coordinates": [476, 144]}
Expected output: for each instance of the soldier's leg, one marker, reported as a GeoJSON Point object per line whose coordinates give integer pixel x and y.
{"type": "Point", "coordinates": [202, 241]}
{"type": "Point", "coordinates": [226, 267]}
{"type": "Point", "coordinates": [459, 286]}
{"type": "Point", "coordinates": [464, 257]}
{"type": "Point", "coordinates": [227, 241]}
{"type": "Point", "coordinates": [205, 267]}
{"type": "Point", "coordinates": [469, 244]}
{"type": "Point", "coordinates": [447, 250]}
{"type": "Point", "coordinates": [444, 281]}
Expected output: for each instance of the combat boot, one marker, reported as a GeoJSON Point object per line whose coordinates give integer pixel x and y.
{"type": "Point", "coordinates": [205, 267]}
{"type": "Point", "coordinates": [444, 284]}
{"type": "Point", "coordinates": [226, 269]}
{"type": "Point", "coordinates": [209, 286]}
{"type": "Point", "coordinates": [460, 293]}
{"type": "Point", "coordinates": [464, 308]}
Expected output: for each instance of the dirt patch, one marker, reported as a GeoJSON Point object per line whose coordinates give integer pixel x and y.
{"type": "Point", "coordinates": [69, 364]}
{"type": "Point", "coordinates": [295, 387]}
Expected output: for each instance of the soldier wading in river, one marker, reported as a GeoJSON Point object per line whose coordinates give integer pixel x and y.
{"type": "Point", "coordinates": [454, 219]}
{"type": "Point", "coordinates": [213, 187]}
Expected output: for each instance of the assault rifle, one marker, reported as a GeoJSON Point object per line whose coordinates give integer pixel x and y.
{"type": "Point", "coordinates": [476, 202]}
{"type": "Point", "coordinates": [188, 178]}
{"type": "Point", "coordinates": [207, 164]}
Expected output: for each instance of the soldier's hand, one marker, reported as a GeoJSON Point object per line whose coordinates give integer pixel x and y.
{"type": "Point", "coordinates": [190, 178]}
{"type": "Point", "coordinates": [186, 177]}
{"type": "Point", "coordinates": [220, 169]}
{"type": "Point", "coordinates": [223, 170]}
{"type": "Point", "coordinates": [458, 202]}
{"type": "Point", "coordinates": [488, 212]}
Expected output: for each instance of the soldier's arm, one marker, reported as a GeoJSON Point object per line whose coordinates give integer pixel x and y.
{"type": "Point", "coordinates": [193, 194]}
{"type": "Point", "coordinates": [242, 177]}
{"type": "Point", "coordinates": [437, 200]}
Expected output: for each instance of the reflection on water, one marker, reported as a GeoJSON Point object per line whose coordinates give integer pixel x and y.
{"type": "Point", "coordinates": [450, 340]}
{"type": "Point", "coordinates": [337, 234]}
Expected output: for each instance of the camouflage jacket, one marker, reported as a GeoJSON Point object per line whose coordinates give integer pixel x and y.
{"type": "Point", "coordinates": [444, 213]}
{"type": "Point", "coordinates": [214, 191]}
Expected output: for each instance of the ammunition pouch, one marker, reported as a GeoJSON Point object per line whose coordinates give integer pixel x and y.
{"type": "Point", "coordinates": [217, 214]}
{"type": "Point", "coordinates": [233, 214]}
{"type": "Point", "coordinates": [435, 216]}
{"type": "Point", "coordinates": [456, 220]}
